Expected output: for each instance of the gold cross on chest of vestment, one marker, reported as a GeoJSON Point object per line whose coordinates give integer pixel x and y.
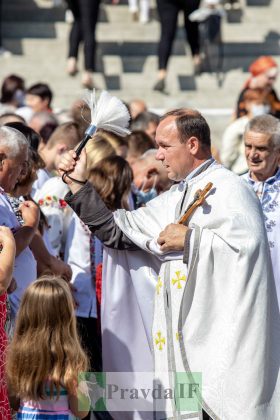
{"type": "Point", "coordinates": [159, 285]}
{"type": "Point", "coordinates": [179, 278]}
{"type": "Point", "coordinates": [159, 340]}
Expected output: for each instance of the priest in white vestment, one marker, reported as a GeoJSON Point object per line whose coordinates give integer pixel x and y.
{"type": "Point", "coordinates": [215, 306]}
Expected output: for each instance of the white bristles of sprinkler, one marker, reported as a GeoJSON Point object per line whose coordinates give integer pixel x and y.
{"type": "Point", "coordinates": [107, 112]}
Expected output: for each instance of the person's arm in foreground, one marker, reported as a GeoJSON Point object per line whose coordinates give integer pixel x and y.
{"type": "Point", "coordinates": [47, 263]}
{"type": "Point", "coordinates": [7, 257]}
{"type": "Point", "coordinates": [88, 205]}
{"type": "Point", "coordinates": [24, 235]}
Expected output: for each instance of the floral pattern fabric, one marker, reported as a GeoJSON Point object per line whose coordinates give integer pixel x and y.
{"type": "Point", "coordinates": [269, 195]}
{"type": "Point", "coordinates": [5, 413]}
{"type": "Point", "coordinates": [52, 201]}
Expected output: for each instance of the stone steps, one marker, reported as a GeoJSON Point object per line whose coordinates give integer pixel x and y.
{"type": "Point", "coordinates": [37, 35]}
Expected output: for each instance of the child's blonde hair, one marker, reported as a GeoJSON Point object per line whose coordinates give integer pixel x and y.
{"type": "Point", "coordinates": [45, 347]}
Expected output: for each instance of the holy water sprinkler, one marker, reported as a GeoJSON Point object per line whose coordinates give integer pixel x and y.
{"type": "Point", "coordinates": [108, 113]}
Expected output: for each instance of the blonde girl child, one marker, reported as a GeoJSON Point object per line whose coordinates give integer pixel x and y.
{"type": "Point", "coordinates": [45, 356]}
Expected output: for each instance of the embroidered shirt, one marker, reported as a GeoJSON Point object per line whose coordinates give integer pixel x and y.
{"type": "Point", "coordinates": [269, 195]}
{"type": "Point", "coordinates": [25, 269]}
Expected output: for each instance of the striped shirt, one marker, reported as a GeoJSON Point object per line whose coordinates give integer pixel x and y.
{"type": "Point", "coordinates": [44, 409]}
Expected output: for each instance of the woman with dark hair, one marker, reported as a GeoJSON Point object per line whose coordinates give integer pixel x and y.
{"type": "Point", "coordinates": [12, 93]}
{"type": "Point", "coordinates": [32, 137]}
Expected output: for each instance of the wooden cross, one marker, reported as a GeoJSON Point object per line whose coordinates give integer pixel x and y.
{"type": "Point", "coordinates": [199, 198]}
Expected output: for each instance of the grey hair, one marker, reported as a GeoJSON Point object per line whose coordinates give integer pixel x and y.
{"type": "Point", "coordinates": [147, 157]}
{"type": "Point", "coordinates": [13, 140]}
{"type": "Point", "coordinates": [149, 153]}
{"type": "Point", "coordinates": [265, 124]}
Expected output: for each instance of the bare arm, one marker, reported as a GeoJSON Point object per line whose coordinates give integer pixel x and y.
{"type": "Point", "coordinates": [23, 238]}
{"type": "Point", "coordinates": [24, 235]}
{"type": "Point", "coordinates": [76, 404]}
{"type": "Point", "coordinates": [47, 262]}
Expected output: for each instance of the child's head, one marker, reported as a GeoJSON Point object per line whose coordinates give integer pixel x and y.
{"type": "Point", "coordinates": [39, 97]}
{"type": "Point", "coordinates": [65, 137]}
{"type": "Point", "coordinates": [45, 346]}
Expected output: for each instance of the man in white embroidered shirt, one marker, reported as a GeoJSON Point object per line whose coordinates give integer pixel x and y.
{"type": "Point", "coordinates": [215, 309]}
{"type": "Point", "coordinates": [262, 151]}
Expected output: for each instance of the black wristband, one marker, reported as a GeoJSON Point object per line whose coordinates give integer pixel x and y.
{"type": "Point", "coordinates": [72, 179]}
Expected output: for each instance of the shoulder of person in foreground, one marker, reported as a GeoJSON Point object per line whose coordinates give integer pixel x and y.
{"type": "Point", "coordinates": [53, 188]}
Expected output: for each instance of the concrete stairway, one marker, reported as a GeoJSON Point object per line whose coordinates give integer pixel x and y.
{"type": "Point", "coordinates": [36, 33]}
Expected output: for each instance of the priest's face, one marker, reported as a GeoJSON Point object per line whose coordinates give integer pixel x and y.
{"type": "Point", "coordinates": [175, 156]}
{"type": "Point", "coordinates": [261, 154]}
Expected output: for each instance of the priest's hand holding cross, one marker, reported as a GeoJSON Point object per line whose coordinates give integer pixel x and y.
{"type": "Point", "coordinates": [172, 238]}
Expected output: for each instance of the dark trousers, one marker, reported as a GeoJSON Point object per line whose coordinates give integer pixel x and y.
{"type": "Point", "coordinates": [168, 13]}
{"type": "Point", "coordinates": [91, 341]}
{"type": "Point", "coordinates": [85, 14]}
{"type": "Point", "coordinates": [90, 337]}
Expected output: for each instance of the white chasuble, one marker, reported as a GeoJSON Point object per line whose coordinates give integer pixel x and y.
{"type": "Point", "coordinates": [217, 315]}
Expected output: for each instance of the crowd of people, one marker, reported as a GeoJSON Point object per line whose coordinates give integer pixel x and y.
{"type": "Point", "coordinates": [98, 272]}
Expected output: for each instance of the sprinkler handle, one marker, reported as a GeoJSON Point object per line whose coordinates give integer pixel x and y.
{"type": "Point", "coordinates": [88, 134]}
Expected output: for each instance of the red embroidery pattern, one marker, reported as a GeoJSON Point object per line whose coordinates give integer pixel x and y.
{"type": "Point", "coordinates": [52, 201]}
{"type": "Point", "coordinates": [5, 413]}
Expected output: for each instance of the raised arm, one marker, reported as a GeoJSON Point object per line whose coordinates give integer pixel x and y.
{"type": "Point", "coordinates": [88, 205]}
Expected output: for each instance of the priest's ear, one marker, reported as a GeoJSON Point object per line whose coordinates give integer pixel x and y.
{"type": "Point", "coordinates": [193, 145]}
